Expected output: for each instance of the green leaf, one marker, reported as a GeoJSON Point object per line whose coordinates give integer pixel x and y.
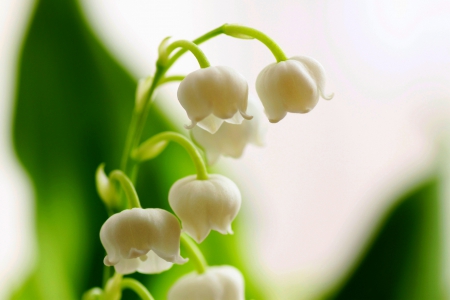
{"type": "Point", "coordinates": [74, 104]}
{"type": "Point", "coordinates": [404, 260]}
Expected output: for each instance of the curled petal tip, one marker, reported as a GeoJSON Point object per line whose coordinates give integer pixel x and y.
{"type": "Point", "coordinates": [327, 97]}
{"type": "Point", "coordinates": [180, 260]}
{"type": "Point", "coordinates": [245, 116]}
{"type": "Point", "coordinates": [108, 263]}
{"type": "Point", "coordinates": [192, 125]}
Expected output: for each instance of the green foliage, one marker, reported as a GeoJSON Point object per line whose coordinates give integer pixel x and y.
{"type": "Point", "coordinates": [404, 260]}
{"type": "Point", "coordinates": [73, 107]}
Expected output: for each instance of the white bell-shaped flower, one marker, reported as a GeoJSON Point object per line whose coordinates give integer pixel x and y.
{"type": "Point", "coordinates": [144, 240]}
{"type": "Point", "coordinates": [205, 205]}
{"type": "Point", "coordinates": [213, 95]}
{"type": "Point", "coordinates": [231, 139]}
{"type": "Point", "coordinates": [217, 283]}
{"type": "Point", "coordinates": [293, 86]}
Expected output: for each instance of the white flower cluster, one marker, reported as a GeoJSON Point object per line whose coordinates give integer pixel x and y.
{"type": "Point", "coordinates": [223, 122]}
{"type": "Point", "coordinates": [215, 99]}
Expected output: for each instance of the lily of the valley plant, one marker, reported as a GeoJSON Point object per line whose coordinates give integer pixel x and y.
{"type": "Point", "coordinates": [223, 122]}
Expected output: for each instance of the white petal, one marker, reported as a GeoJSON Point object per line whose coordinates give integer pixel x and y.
{"type": "Point", "coordinates": [154, 264]}
{"type": "Point", "coordinates": [132, 233]}
{"type": "Point", "coordinates": [215, 90]}
{"type": "Point", "coordinates": [269, 95]}
{"type": "Point", "coordinates": [217, 283]}
{"type": "Point", "coordinates": [236, 119]}
{"type": "Point", "coordinates": [231, 139]}
{"type": "Point", "coordinates": [166, 235]}
{"type": "Point", "coordinates": [190, 95]}
{"type": "Point", "coordinates": [211, 123]}
{"type": "Point", "coordinates": [293, 85]}
{"type": "Point", "coordinates": [230, 92]}
{"type": "Point", "coordinates": [317, 71]}
{"type": "Point", "coordinates": [205, 205]}
{"type": "Point", "coordinates": [127, 266]}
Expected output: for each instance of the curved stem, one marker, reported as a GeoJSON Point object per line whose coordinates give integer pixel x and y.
{"type": "Point", "coordinates": [207, 36]}
{"type": "Point", "coordinates": [139, 154]}
{"type": "Point", "coordinates": [137, 287]}
{"type": "Point", "coordinates": [171, 79]}
{"type": "Point", "coordinates": [138, 119]}
{"type": "Point", "coordinates": [235, 30]}
{"type": "Point", "coordinates": [194, 253]}
{"type": "Point", "coordinates": [188, 45]}
{"type": "Point", "coordinates": [127, 186]}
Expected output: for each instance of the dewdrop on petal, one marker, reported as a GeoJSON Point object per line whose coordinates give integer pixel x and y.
{"type": "Point", "coordinates": [231, 139]}
{"type": "Point", "coordinates": [217, 283]}
{"type": "Point", "coordinates": [293, 86]}
{"type": "Point", "coordinates": [213, 95]}
{"type": "Point", "coordinates": [205, 205]}
{"type": "Point", "coordinates": [130, 235]}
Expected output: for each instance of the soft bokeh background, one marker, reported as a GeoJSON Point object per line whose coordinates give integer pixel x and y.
{"type": "Point", "coordinates": [323, 179]}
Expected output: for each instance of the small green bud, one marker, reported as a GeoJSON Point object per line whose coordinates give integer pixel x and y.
{"type": "Point", "coordinates": [163, 56]}
{"type": "Point", "coordinates": [95, 293]}
{"type": "Point", "coordinates": [105, 188]}
{"type": "Point", "coordinates": [142, 92]}
{"type": "Point", "coordinates": [149, 150]}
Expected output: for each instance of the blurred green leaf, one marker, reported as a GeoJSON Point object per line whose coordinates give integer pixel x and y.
{"type": "Point", "coordinates": [404, 260]}
{"type": "Point", "coordinates": [73, 107]}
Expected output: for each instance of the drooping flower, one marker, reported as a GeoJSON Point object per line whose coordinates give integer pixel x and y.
{"type": "Point", "coordinates": [293, 86]}
{"type": "Point", "coordinates": [231, 139]}
{"type": "Point", "coordinates": [144, 240]}
{"type": "Point", "coordinates": [205, 205]}
{"type": "Point", "coordinates": [217, 283]}
{"type": "Point", "coordinates": [213, 95]}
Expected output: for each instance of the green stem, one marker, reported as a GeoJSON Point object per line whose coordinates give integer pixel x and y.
{"type": "Point", "coordinates": [137, 287]}
{"type": "Point", "coordinates": [194, 253]}
{"type": "Point", "coordinates": [138, 119]}
{"type": "Point", "coordinates": [139, 153]}
{"type": "Point", "coordinates": [235, 30]}
{"type": "Point", "coordinates": [207, 36]}
{"type": "Point", "coordinates": [127, 186]}
{"type": "Point", "coordinates": [106, 274]}
{"type": "Point", "coordinates": [188, 45]}
{"type": "Point", "coordinates": [171, 79]}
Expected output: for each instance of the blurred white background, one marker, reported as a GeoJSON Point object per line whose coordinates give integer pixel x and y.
{"type": "Point", "coordinates": [315, 190]}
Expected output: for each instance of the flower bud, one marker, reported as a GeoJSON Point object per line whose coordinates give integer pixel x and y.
{"type": "Point", "coordinates": [231, 139]}
{"type": "Point", "coordinates": [105, 188]}
{"type": "Point", "coordinates": [213, 95]}
{"type": "Point", "coordinates": [293, 86]}
{"type": "Point", "coordinates": [142, 92]}
{"type": "Point", "coordinates": [129, 236]}
{"type": "Point", "coordinates": [205, 205]}
{"type": "Point", "coordinates": [217, 283]}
